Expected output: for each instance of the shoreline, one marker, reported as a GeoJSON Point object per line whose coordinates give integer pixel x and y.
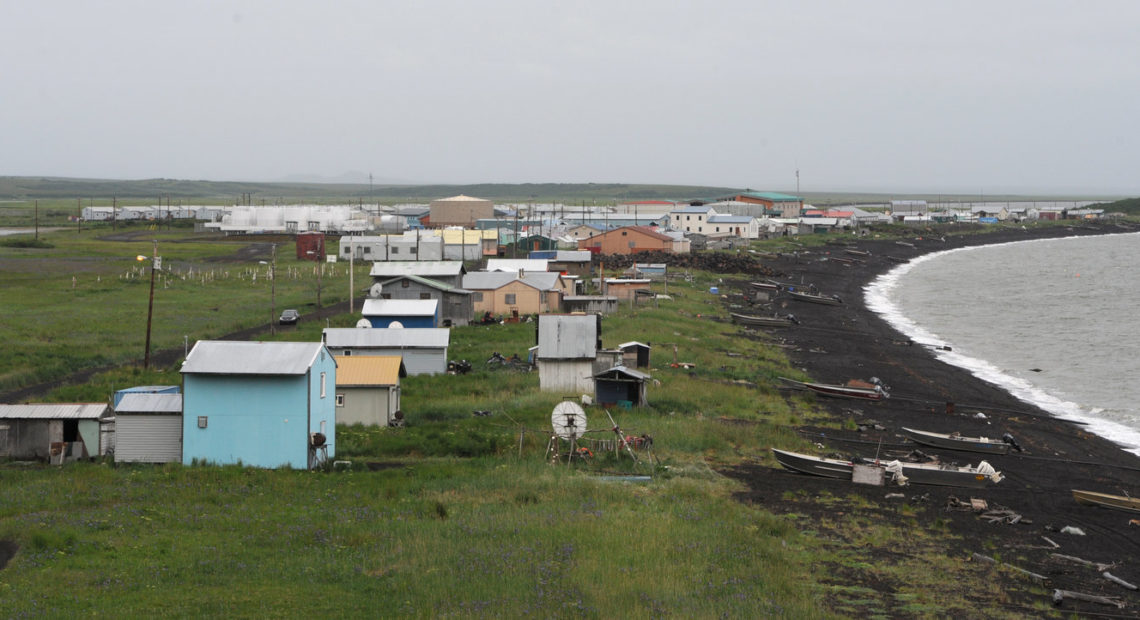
{"type": "Point", "coordinates": [834, 344]}
{"type": "Point", "coordinates": [877, 296]}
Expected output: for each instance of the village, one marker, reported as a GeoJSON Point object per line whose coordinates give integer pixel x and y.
{"type": "Point", "coordinates": [293, 395]}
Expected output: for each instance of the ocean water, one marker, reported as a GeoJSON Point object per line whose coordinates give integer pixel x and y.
{"type": "Point", "coordinates": [1054, 322]}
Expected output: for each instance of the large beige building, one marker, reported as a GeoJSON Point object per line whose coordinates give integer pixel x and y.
{"type": "Point", "coordinates": [460, 211]}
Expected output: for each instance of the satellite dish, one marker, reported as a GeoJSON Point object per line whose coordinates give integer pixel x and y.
{"type": "Point", "coordinates": [374, 291]}
{"type": "Point", "coordinates": [568, 420]}
{"type": "Point", "coordinates": [364, 323]}
{"type": "Point", "coordinates": [395, 325]}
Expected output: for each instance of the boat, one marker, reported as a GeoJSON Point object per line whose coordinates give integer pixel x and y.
{"type": "Point", "coordinates": [955, 441]}
{"type": "Point", "coordinates": [765, 321]}
{"type": "Point", "coordinates": [814, 465]}
{"type": "Point", "coordinates": [941, 474]}
{"type": "Point", "coordinates": [853, 389]}
{"type": "Point", "coordinates": [815, 298]}
{"type": "Point", "coordinates": [937, 474]}
{"type": "Point", "coordinates": [765, 286]}
{"type": "Point", "coordinates": [1119, 502]}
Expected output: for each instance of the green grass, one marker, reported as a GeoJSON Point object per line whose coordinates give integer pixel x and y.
{"type": "Point", "coordinates": [453, 515]}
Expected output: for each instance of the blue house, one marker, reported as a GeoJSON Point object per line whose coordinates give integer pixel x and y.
{"type": "Point", "coordinates": [406, 312]}
{"type": "Point", "coordinates": [264, 404]}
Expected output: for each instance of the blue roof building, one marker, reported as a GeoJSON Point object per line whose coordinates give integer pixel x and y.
{"type": "Point", "coordinates": [265, 404]}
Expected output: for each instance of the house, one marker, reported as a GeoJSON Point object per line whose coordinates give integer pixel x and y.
{"type": "Point", "coordinates": [742, 226]}
{"type": "Point", "coordinates": [620, 386]}
{"type": "Point", "coordinates": [504, 293]}
{"type": "Point", "coordinates": [423, 351]}
{"type": "Point", "coordinates": [691, 218]}
{"type": "Point", "coordinates": [567, 262]}
{"type": "Point", "coordinates": [383, 313]}
{"type": "Point", "coordinates": [446, 271]}
{"type": "Point", "coordinates": [455, 304]}
{"type": "Point", "coordinates": [468, 244]}
{"type": "Point", "coordinates": [368, 389]}
{"type": "Point", "coordinates": [584, 231]}
{"type": "Point", "coordinates": [55, 432]}
{"type": "Point", "coordinates": [628, 240]}
{"type": "Point", "coordinates": [148, 428]}
{"type": "Point", "coordinates": [567, 347]}
{"type": "Point", "coordinates": [264, 404]}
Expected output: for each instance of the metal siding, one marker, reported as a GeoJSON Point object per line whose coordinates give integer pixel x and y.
{"type": "Point", "coordinates": [567, 336]}
{"type": "Point", "coordinates": [367, 406]}
{"type": "Point", "coordinates": [571, 376]}
{"type": "Point", "coordinates": [141, 438]}
{"type": "Point", "coordinates": [258, 420]}
{"type": "Point", "coordinates": [250, 358]}
{"type": "Point", "coordinates": [354, 337]}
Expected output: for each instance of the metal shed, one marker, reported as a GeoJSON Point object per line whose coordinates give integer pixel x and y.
{"type": "Point", "coordinates": [148, 428]}
{"type": "Point", "coordinates": [620, 386]}
{"type": "Point", "coordinates": [368, 389]}
{"type": "Point", "coordinates": [56, 432]}
{"type": "Point", "coordinates": [424, 351]}
{"type": "Point", "coordinates": [635, 354]}
{"type": "Point", "coordinates": [567, 347]}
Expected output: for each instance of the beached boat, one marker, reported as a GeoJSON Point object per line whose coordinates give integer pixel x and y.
{"type": "Point", "coordinates": [814, 465]}
{"type": "Point", "coordinates": [853, 389]}
{"type": "Point", "coordinates": [1119, 502]}
{"type": "Point", "coordinates": [937, 474]}
{"type": "Point", "coordinates": [765, 286]}
{"type": "Point", "coordinates": [974, 476]}
{"type": "Point", "coordinates": [765, 321]}
{"type": "Point", "coordinates": [955, 441]}
{"type": "Point", "coordinates": [815, 298]}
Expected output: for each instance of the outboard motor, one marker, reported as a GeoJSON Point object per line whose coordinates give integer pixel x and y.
{"type": "Point", "coordinates": [1008, 438]}
{"type": "Point", "coordinates": [793, 319]}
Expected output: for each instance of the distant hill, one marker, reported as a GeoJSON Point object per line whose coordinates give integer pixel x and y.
{"type": "Point", "coordinates": [149, 191]}
{"type": "Point", "coordinates": [25, 188]}
{"type": "Point", "coordinates": [1131, 206]}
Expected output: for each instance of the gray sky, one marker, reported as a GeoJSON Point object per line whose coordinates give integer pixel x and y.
{"type": "Point", "coordinates": [953, 96]}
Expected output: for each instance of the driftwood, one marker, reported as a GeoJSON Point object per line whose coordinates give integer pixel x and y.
{"type": "Point", "coordinates": [1114, 579]}
{"type": "Point", "coordinates": [1034, 576]}
{"type": "Point", "coordinates": [1050, 541]}
{"type": "Point", "coordinates": [1060, 595]}
{"type": "Point", "coordinates": [1099, 566]}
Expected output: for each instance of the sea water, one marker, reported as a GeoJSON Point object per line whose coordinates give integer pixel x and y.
{"type": "Point", "coordinates": [1052, 321]}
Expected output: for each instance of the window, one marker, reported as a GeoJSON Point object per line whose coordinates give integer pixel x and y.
{"type": "Point", "coordinates": [509, 299]}
{"type": "Point", "coordinates": [425, 295]}
{"type": "Point", "coordinates": [477, 296]}
{"type": "Point", "coordinates": [340, 400]}
{"type": "Point", "coordinates": [323, 375]}
{"type": "Point", "coordinates": [367, 250]}
{"type": "Point", "coordinates": [412, 250]}
{"type": "Point", "coordinates": [202, 421]}
{"type": "Point", "coordinates": [347, 352]}
{"type": "Point", "coordinates": [687, 218]}
{"type": "Point", "coordinates": [385, 296]}
{"type": "Point", "coordinates": [624, 233]}
{"type": "Point", "coordinates": [405, 283]}
{"type": "Point", "coordinates": [395, 250]}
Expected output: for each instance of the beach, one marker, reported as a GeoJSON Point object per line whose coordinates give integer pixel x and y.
{"type": "Point", "coordinates": [834, 344]}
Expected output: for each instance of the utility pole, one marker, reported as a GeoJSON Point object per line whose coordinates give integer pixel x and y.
{"type": "Point", "coordinates": [273, 292]}
{"type": "Point", "coordinates": [79, 216]}
{"type": "Point", "coordinates": [351, 271]}
{"type": "Point", "coordinates": [150, 304]}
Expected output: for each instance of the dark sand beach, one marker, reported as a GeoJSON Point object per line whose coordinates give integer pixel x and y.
{"type": "Point", "coordinates": [834, 344]}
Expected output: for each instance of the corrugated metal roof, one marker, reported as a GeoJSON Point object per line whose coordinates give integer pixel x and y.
{"type": "Point", "coordinates": [567, 336]}
{"type": "Point", "coordinates": [517, 264]}
{"type": "Point", "coordinates": [436, 284]}
{"type": "Point", "coordinates": [150, 403]}
{"type": "Point", "coordinates": [226, 357]}
{"type": "Point", "coordinates": [487, 280]}
{"type": "Point", "coordinates": [633, 343]}
{"type": "Point", "coordinates": [412, 338]}
{"type": "Point", "coordinates": [461, 198]}
{"type": "Point", "coordinates": [55, 411]}
{"type": "Point", "coordinates": [361, 370]}
{"type": "Point", "coordinates": [773, 196]}
{"type": "Point", "coordinates": [425, 268]}
{"type": "Point", "coordinates": [629, 373]}
{"type": "Point", "coordinates": [400, 307]}
{"type": "Point", "coordinates": [573, 256]}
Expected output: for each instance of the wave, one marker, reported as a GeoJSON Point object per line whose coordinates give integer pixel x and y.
{"type": "Point", "coordinates": [879, 300]}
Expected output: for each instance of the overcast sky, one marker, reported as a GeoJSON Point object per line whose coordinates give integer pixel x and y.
{"type": "Point", "coordinates": [956, 96]}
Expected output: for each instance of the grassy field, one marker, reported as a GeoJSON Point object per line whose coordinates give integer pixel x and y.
{"type": "Point", "coordinates": [454, 515]}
